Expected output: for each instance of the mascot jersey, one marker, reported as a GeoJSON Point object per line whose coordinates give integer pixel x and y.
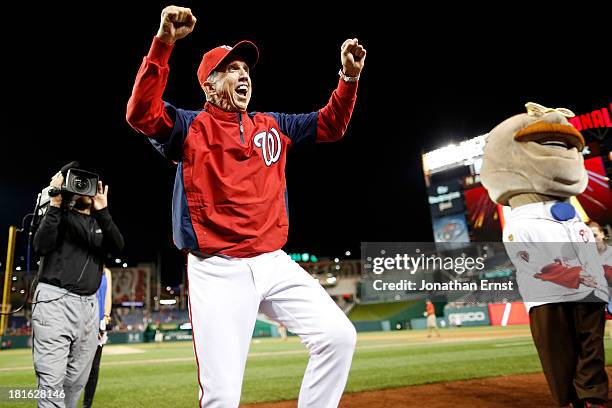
{"type": "Point", "coordinates": [555, 256]}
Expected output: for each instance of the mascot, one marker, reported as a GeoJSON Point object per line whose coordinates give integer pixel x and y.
{"type": "Point", "coordinates": [533, 163]}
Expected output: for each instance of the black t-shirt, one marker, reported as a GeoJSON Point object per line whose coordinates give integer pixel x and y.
{"type": "Point", "coordinates": [73, 247]}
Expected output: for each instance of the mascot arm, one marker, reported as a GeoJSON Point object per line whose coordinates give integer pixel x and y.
{"type": "Point", "coordinates": [608, 272]}
{"type": "Point", "coordinates": [561, 275]}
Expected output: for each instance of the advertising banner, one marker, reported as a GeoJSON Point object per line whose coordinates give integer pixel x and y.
{"type": "Point", "coordinates": [467, 316]}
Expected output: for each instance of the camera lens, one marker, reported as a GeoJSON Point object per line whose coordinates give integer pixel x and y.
{"type": "Point", "coordinates": [81, 185]}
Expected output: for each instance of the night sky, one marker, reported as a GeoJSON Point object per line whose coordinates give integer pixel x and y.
{"type": "Point", "coordinates": [427, 81]}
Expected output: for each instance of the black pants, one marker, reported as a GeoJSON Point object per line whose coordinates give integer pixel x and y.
{"type": "Point", "coordinates": [90, 388]}
{"type": "Point", "coordinates": [569, 340]}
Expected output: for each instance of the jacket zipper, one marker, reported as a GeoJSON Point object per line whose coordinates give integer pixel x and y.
{"type": "Point", "coordinates": [241, 127]}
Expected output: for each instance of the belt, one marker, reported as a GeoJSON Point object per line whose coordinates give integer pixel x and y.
{"type": "Point", "coordinates": [62, 291]}
{"type": "Point", "coordinates": [203, 255]}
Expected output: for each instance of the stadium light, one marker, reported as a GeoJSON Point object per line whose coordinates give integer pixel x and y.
{"type": "Point", "coordinates": [336, 260]}
{"type": "Point", "coordinates": [454, 154]}
{"type": "Point", "coordinates": [117, 261]}
{"type": "Point", "coordinates": [124, 265]}
{"type": "Point", "coordinates": [347, 253]}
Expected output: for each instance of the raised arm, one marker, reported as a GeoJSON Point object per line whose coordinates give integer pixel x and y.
{"type": "Point", "coordinates": [334, 118]}
{"type": "Point", "coordinates": [146, 112]}
{"type": "Point", "coordinates": [45, 239]}
{"type": "Point", "coordinates": [329, 123]}
{"type": "Point", "coordinates": [112, 240]}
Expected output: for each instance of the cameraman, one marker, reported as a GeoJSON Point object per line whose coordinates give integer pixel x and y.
{"type": "Point", "coordinates": [73, 240]}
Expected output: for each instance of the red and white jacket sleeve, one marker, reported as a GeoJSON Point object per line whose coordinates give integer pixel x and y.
{"type": "Point", "coordinates": [333, 118]}
{"type": "Point", "coordinates": [145, 108]}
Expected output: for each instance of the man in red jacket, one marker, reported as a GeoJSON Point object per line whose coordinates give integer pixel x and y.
{"type": "Point", "coordinates": [230, 212]}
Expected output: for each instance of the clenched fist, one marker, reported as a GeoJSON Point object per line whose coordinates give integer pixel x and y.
{"type": "Point", "coordinates": [352, 55]}
{"type": "Point", "coordinates": [176, 23]}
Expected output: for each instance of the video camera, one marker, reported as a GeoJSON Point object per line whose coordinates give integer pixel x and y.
{"type": "Point", "coordinates": [76, 181]}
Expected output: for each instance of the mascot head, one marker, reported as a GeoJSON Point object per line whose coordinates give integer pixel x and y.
{"type": "Point", "coordinates": [534, 152]}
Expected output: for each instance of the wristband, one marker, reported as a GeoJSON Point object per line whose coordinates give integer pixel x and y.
{"type": "Point", "coordinates": [347, 78]}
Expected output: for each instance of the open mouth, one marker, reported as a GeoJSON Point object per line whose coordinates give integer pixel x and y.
{"type": "Point", "coordinates": [553, 135]}
{"type": "Point", "coordinates": [242, 90]}
{"type": "Point", "coordinates": [559, 144]}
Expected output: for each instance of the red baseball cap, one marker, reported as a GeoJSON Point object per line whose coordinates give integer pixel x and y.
{"type": "Point", "coordinates": [212, 59]}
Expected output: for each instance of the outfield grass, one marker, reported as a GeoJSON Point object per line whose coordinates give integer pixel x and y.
{"type": "Point", "coordinates": [380, 311]}
{"type": "Point", "coordinates": [165, 375]}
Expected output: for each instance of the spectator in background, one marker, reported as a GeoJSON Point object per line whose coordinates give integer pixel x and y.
{"type": "Point", "coordinates": [430, 312]}
{"type": "Point", "coordinates": [105, 302]}
{"type": "Point", "coordinates": [282, 330]}
{"type": "Point", "coordinates": [605, 251]}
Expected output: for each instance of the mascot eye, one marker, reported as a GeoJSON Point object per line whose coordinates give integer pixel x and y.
{"type": "Point", "coordinates": [535, 109]}
{"type": "Point", "coordinates": [565, 112]}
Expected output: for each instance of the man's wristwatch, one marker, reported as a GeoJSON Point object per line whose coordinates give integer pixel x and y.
{"type": "Point", "coordinates": [346, 78]}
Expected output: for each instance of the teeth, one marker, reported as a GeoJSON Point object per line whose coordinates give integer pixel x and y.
{"type": "Point", "coordinates": [555, 143]}
{"type": "Point", "coordinates": [242, 88]}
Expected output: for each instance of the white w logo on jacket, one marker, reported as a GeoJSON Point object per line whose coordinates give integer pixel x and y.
{"type": "Point", "coordinates": [270, 145]}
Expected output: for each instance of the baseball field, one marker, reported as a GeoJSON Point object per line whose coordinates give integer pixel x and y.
{"type": "Point", "coordinates": [390, 369]}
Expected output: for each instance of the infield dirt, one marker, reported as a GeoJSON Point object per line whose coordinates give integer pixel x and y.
{"type": "Point", "coordinates": [516, 391]}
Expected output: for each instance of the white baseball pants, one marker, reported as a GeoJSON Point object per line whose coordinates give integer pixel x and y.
{"type": "Point", "coordinates": [224, 297]}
